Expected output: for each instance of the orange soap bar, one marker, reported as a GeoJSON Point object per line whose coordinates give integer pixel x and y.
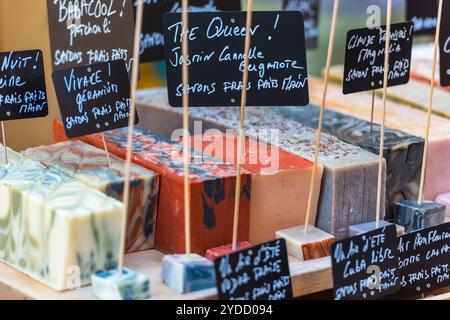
{"type": "Point", "coordinates": [280, 182]}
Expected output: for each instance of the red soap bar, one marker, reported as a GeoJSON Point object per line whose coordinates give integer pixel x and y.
{"type": "Point", "coordinates": [212, 190]}
{"type": "Point", "coordinates": [214, 253]}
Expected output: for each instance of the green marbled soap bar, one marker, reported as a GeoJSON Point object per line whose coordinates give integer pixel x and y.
{"type": "Point", "coordinates": [54, 228]}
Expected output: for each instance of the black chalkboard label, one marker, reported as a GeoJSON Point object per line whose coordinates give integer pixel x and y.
{"type": "Point", "coordinates": [88, 32]}
{"type": "Point", "coordinates": [257, 273]}
{"type": "Point", "coordinates": [423, 14]}
{"type": "Point", "coordinates": [311, 12]}
{"type": "Point", "coordinates": [366, 266]}
{"type": "Point", "coordinates": [277, 70]}
{"type": "Point", "coordinates": [152, 38]}
{"type": "Point", "coordinates": [424, 260]}
{"type": "Point", "coordinates": [364, 57]}
{"type": "Point", "coordinates": [22, 85]}
{"type": "Point", "coordinates": [444, 40]}
{"type": "Point", "coordinates": [93, 98]}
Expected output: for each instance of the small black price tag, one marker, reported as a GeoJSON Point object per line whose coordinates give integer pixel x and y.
{"type": "Point", "coordinates": [152, 38]}
{"type": "Point", "coordinates": [444, 45]}
{"type": "Point", "coordinates": [277, 69]}
{"type": "Point", "coordinates": [424, 260]}
{"type": "Point", "coordinates": [257, 273]}
{"type": "Point", "coordinates": [22, 85]}
{"type": "Point", "coordinates": [365, 267]}
{"type": "Point", "coordinates": [88, 32]}
{"type": "Point", "coordinates": [311, 13]}
{"type": "Point", "coordinates": [423, 14]}
{"type": "Point", "coordinates": [93, 98]}
{"type": "Point", "coordinates": [364, 57]}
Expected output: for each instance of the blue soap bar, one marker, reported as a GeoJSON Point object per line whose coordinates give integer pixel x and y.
{"type": "Point", "coordinates": [188, 273]}
{"type": "Point", "coordinates": [125, 285]}
{"type": "Point", "coordinates": [371, 226]}
{"type": "Point", "coordinates": [414, 216]}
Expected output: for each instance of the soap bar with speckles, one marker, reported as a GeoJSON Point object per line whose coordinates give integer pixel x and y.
{"type": "Point", "coordinates": [403, 152]}
{"type": "Point", "coordinates": [349, 183]}
{"type": "Point", "coordinates": [53, 227]}
{"type": "Point", "coordinates": [280, 182]}
{"type": "Point", "coordinates": [398, 117]}
{"type": "Point", "coordinates": [89, 165]}
{"type": "Point", "coordinates": [212, 190]}
{"type": "Point", "coordinates": [120, 285]}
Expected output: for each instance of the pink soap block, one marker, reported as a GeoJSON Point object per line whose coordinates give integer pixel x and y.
{"type": "Point", "coordinates": [444, 199]}
{"type": "Point", "coordinates": [437, 179]}
{"type": "Point", "coordinates": [214, 253]}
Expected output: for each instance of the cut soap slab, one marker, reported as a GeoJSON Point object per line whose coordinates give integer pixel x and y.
{"type": "Point", "coordinates": [212, 190]}
{"type": "Point", "coordinates": [89, 165]}
{"type": "Point", "coordinates": [403, 152]}
{"type": "Point", "coordinates": [278, 198]}
{"type": "Point", "coordinates": [403, 118]}
{"type": "Point", "coordinates": [349, 183]}
{"type": "Point", "coordinates": [54, 228]}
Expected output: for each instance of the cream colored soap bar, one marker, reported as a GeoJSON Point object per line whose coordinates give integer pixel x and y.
{"type": "Point", "coordinates": [54, 228]}
{"type": "Point", "coordinates": [398, 117]}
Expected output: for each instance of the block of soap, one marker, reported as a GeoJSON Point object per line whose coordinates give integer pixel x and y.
{"type": "Point", "coordinates": [370, 226]}
{"type": "Point", "coordinates": [282, 175]}
{"type": "Point", "coordinates": [402, 118]}
{"type": "Point", "coordinates": [212, 190]}
{"type": "Point", "coordinates": [214, 253]}
{"type": "Point", "coordinates": [53, 228]}
{"type": "Point", "coordinates": [89, 165]}
{"type": "Point", "coordinates": [403, 152]}
{"type": "Point", "coordinates": [116, 285]}
{"type": "Point", "coordinates": [188, 273]}
{"type": "Point", "coordinates": [414, 216]}
{"type": "Point", "coordinates": [444, 199]}
{"type": "Point", "coordinates": [349, 183]}
{"type": "Point", "coordinates": [312, 245]}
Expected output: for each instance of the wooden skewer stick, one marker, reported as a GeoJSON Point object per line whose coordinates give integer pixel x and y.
{"type": "Point", "coordinates": [385, 85]}
{"type": "Point", "coordinates": [106, 151]}
{"type": "Point", "coordinates": [373, 109]}
{"type": "Point", "coordinates": [5, 149]}
{"type": "Point", "coordinates": [241, 142]}
{"type": "Point", "coordinates": [131, 120]}
{"type": "Point", "coordinates": [430, 105]}
{"type": "Point", "coordinates": [186, 135]}
{"type": "Point", "coordinates": [322, 111]}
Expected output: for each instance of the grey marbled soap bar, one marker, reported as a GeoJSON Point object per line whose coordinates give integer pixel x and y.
{"type": "Point", "coordinates": [349, 184]}
{"type": "Point", "coordinates": [414, 216]}
{"type": "Point", "coordinates": [403, 152]}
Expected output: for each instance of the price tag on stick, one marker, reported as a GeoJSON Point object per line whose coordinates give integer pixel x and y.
{"type": "Point", "coordinates": [88, 32]}
{"type": "Point", "coordinates": [311, 12]}
{"type": "Point", "coordinates": [22, 85]}
{"type": "Point", "coordinates": [152, 38]}
{"type": "Point", "coordinates": [444, 45]}
{"type": "Point", "coordinates": [94, 98]}
{"type": "Point", "coordinates": [423, 14]}
{"type": "Point", "coordinates": [257, 273]}
{"type": "Point", "coordinates": [364, 57]}
{"type": "Point", "coordinates": [366, 266]}
{"type": "Point", "coordinates": [277, 70]}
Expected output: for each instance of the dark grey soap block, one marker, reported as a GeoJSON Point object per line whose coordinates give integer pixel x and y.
{"type": "Point", "coordinates": [414, 216]}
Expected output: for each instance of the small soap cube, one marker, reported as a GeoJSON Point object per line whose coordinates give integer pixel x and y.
{"type": "Point", "coordinates": [314, 244]}
{"type": "Point", "coordinates": [444, 199]}
{"type": "Point", "coordinates": [414, 216]}
{"type": "Point", "coordinates": [370, 226]}
{"type": "Point", "coordinates": [125, 285]}
{"type": "Point", "coordinates": [214, 253]}
{"type": "Point", "coordinates": [188, 273]}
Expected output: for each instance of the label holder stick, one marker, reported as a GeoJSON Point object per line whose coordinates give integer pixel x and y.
{"type": "Point", "coordinates": [372, 112]}
{"type": "Point", "coordinates": [131, 119]}
{"type": "Point", "coordinates": [322, 111]}
{"type": "Point", "coordinates": [430, 105]}
{"type": "Point", "coordinates": [385, 85]}
{"type": "Point", "coordinates": [106, 151]}
{"type": "Point", "coordinates": [241, 142]}
{"type": "Point", "coordinates": [5, 148]}
{"type": "Point", "coordinates": [186, 135]}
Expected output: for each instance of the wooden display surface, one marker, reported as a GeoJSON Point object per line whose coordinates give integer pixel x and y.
{"type": "Point", "coordinates": [307, 277]}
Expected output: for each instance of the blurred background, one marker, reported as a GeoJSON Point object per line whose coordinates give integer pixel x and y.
{"type": "Point", "coordinates": [23, 25]}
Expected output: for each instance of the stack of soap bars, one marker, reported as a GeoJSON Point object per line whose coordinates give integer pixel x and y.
{"type": "Point", "coordinates": [54, 228]}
